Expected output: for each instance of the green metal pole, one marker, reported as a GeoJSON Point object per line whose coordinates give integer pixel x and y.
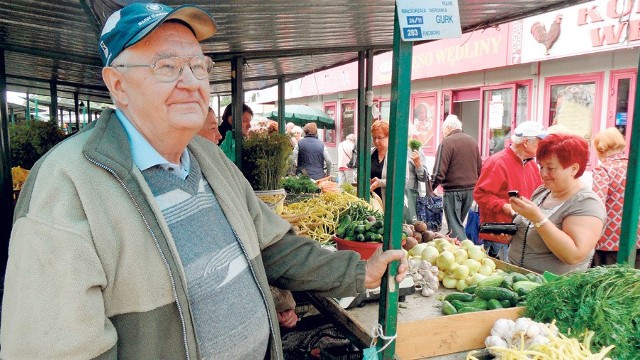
{"type": "Point", "coordinates": [27, 114]}
{"type": "Point", "coordinates": [88, 112]}
{"type": "Point", "coordinates": [35, 101]}
{"type": "Point", "coordinates": [6, 183]}
{"type": "Point", "coordinates": [396, 170]}
{"type": "Point", "coordinates": [364, 154]}
{"type": "Point", "coordinates": [76, 110]}
{"type": "Point", "coordinates": [237, 93]}
{"type": "Point", "coordinates": [53, 106]}
{"type": "Point", "coordinates": [630, 211]}
{"type": "Point", "coordinates": [281, 103]}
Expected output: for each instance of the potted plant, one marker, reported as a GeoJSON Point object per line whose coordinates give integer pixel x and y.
{"type": "Point", "coordinates": [265, 161]}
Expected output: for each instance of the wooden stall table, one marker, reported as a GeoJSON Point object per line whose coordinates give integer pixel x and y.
{"type": "Point", "coordinates": [423, 331]}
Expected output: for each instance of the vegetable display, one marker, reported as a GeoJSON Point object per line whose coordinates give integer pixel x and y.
{"type": "Point", "coordinates": [492, 292]}
{"type": "Point", "coordinates": [425, 277]}
{"type": "Point", "coordinates": [526, 339]}
{"type": "Point", "coordinates": [318, 217]}
{"type": "Point", "coordinates": [605, 300]}
{"type": "Point", "coordinates": [300, 184]}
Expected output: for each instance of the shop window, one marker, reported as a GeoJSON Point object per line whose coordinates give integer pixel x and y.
{"type": "Point", "coordinates": [446, 104]}
{"type": "Point", "coordinates": [498, 112]}
{"type": "Point", "coordinates": [423, 126]}
{"type": "Point", "coordinates": [522, 106]}
{"type": "Point", "coordinates": [573, 103]}
{"type": "Point", "coordinates": [329, 135]}
{"type": "Point", "coordinates": [503, 108]}
{"type": "Point", "coordinates": [621, 102]}
{"type": "Point", "coordinates": [384, 106]}
{"type": "Point", "coordinates": [348, 124]}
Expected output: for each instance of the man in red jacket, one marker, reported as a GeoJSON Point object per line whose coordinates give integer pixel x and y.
{"type": "Point", "coordinates": [513, 168]}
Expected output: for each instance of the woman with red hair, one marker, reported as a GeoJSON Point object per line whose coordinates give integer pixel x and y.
{"type": "Point", "coordinates": [560, 225]}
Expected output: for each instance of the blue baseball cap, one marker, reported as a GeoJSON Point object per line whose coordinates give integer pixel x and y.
{"type": "Point", "coordinates": [132, 23]}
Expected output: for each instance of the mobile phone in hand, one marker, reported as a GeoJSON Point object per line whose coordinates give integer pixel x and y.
{"type": "Point", "coordinates": [513, 193]}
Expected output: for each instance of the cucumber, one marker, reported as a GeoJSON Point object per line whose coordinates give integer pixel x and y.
{"type": "Point", "coordinates": [519, 277]}
{"type": "Point", "coordinates": [468, 309]}
{"type": "Point", "coordinates": [459, 304]}
{"type": "Point", "coordinates": [359, 229]}
{"type": "Point", "coordinates": [537, 278]}
{"type": "Point", "coordinates": [508, 282]}
{"type": "Point", "coordinates": [459, 296]}
{"type": "Point", "coordinates": [470, 289]}
{"type": "Point", "coordinates": [505, 303]}
{"type": "Point", "coordinates": [478, 304]}
{"type": "Point", "coordinates": [524, 287]}
{"type": "Point", "coordinates": [493, 280]}
{"type": "Point", "coordinates": [448, 309]}
{"type": "Point", "coordinates": [494, 292]}
{"type": "Point", "coordinates": [342, 226]}
{"type": "Point", "coordinates": [494, 304]}
{"type": "Point", "coordinates": [370, 236]}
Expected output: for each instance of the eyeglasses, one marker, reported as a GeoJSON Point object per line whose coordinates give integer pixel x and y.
{"type": "Point", "coordinates": [169, 69]}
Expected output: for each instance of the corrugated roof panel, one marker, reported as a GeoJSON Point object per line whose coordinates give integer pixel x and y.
{"type": "Point", "coordinates": [58, 39]}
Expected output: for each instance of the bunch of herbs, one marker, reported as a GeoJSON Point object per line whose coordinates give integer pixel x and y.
{"type": "Point", "coordinates": [603, 299]}
{"type": "Point", "coordinates": [265, 159]}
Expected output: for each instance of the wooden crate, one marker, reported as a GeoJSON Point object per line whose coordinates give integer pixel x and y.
{"type": "Point", "coordinates": [422, 330]}
{"type": "Point", "coordinates": [450, 334]}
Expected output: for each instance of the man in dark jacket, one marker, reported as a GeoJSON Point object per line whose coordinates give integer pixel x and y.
{"type": "Point", "coordinates": [312, 154]}
{"type": "Point", "coordinates": [457, 169]}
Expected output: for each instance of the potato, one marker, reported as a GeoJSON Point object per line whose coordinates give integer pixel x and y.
{"type": "Point", "coordinates": [410, 243]}
{"type": "Point", "coordinates": [420, 226]}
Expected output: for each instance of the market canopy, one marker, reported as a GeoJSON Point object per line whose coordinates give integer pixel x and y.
{"type": "Point", "coordinates": [56, 42]}
{"type": "Point", "coordinates": [302, 114]}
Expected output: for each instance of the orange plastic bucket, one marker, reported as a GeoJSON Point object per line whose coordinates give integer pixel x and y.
{"type": "Point", "coordinates": [365, 249]}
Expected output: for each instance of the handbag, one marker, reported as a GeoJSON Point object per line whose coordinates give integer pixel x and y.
{"type": "Point", "coordinates": [429, 206]}
{"type": "Point", "coordinates": [353, 161]}
{"type": "Point", "coordinates": [472, 227]}
{"type": "Point", "coordinates": [429, 210]}
{"type": "Point", "coordinates": [498, 228]}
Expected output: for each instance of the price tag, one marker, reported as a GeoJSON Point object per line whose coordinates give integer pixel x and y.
{"type": "Point", "coordinates": [428, 19]}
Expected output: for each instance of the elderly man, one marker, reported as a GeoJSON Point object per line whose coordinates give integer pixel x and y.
{"type": "Point", "coordinates": [137, 239]}
{"type": "Point", "coordinates": [457, 171]}
{"type": "Point", "coordinates": [510, 169]}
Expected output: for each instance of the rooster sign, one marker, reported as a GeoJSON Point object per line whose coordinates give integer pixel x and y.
{"type": "Point", "coordinates": [544, 37]}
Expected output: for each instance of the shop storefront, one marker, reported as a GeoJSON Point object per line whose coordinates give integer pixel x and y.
{"type": "Point", "coordinates": [575, 67]}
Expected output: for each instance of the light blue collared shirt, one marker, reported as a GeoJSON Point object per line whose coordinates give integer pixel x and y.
{"type": "Point", "coordinates": [145, 156]}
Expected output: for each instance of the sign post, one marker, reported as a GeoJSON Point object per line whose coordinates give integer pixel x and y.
{"type": "Point", "coordinates": [428, 19]}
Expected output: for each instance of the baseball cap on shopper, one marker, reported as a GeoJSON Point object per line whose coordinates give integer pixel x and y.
{"type": "Point", "coordinates": [530, 129]}
{"type": "Point", "coordinates": [132, 23]}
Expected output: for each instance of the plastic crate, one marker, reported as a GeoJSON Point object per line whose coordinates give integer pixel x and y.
{"type": "Point", "coordinates": [347, 352]}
